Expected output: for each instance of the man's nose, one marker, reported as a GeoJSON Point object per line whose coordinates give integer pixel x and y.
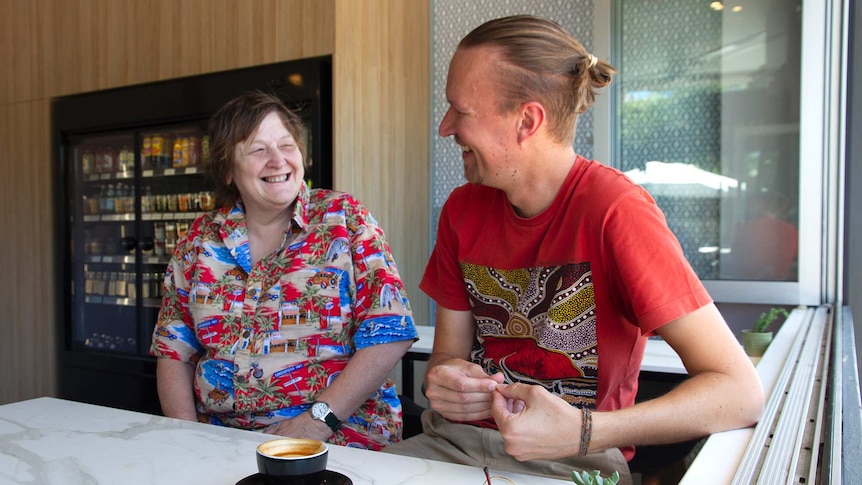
{"type": "Point", "coordinates": [445, 128]}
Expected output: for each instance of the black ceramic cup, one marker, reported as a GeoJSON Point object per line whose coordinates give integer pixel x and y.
{"type": "Point", "coordinates": [293, 461]}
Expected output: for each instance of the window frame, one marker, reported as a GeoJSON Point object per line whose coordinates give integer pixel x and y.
{"type": "Point", "coordinates": [820, 129]}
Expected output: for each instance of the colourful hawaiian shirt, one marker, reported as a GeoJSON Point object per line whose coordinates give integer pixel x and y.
{"type": "Point", "coordinates": [267, 339]}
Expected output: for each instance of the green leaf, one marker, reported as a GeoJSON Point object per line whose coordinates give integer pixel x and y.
{"type": "Point", "coordinates": [594, 478]}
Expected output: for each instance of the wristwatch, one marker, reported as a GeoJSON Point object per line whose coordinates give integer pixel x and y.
{"type": "Point", "coordinates": [320, 411]}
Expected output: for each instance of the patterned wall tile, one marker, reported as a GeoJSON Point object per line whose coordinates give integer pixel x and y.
{"type": "Point", "coordinates": [452, 20]}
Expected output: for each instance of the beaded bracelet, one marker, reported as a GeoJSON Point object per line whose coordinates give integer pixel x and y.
{"type": "Point", "coordinates": [586, 431]}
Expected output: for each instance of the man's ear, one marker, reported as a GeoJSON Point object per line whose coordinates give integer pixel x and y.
{"type": "Point", "coordinates": [532, 119]}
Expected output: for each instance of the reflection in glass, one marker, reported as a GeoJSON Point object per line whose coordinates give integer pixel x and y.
{"type": "Point", "coordinates": [709, 124]}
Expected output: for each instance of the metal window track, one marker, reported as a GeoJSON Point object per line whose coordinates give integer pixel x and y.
{"type": "Point", "coordinates": [786, 442]}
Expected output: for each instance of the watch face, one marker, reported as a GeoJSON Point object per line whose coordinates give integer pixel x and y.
{"type": "Point", "coordinates": [319, 410]}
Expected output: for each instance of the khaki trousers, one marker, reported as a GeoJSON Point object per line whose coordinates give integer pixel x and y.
{"type": "Point", "coordinates": [465, 444]}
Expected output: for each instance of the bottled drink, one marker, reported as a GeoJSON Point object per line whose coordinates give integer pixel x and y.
{"type": "Point", "coordinates": [148, 201]}
{"type": "Point", "coordinates": [103, 200]}
{"type": "Point", "coordinates": [126, 159]}
{"type": "Point", "coordinates": [157, 150]}
{"type": "Point", "coordinates": [146, 153]}
{"type": "Point", "coordinates": [120, 199]}
{"type": "Point", "coordinates": [191, 151]}
{"type": "Point", "coordinates": [88, 162]}
{"type": "Point", "coordinates": [205, 149]}
{"type": "Point", "coordinates": [110, 194]}
{"type": "Point", "coordinates": [178, 152]}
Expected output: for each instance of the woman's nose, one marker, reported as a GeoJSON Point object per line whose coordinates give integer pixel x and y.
{"type": "Point", "coordinates": [274, 156]}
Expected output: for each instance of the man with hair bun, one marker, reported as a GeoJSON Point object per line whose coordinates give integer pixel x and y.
{"type": "Point", "coordinates": [549, 273]}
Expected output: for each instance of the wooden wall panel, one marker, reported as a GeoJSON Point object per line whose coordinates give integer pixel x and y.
{"type": "Point", "coordinates": [381, 76]}
{"type": "Point", "coordinates": [28, 343]}
{"type": "Point", "coordinates": [51, 48]}
{"type": "Point", "coordinates": [58, 47]}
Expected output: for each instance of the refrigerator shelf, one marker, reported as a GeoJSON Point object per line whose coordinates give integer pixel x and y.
{"type": "Point", "coordinates": [108, 176]}
{"type": "Point", "coordinates": [169, 172]}
{"type": "Point", "coordinates": [110, 300]}
{"type": "Point", "coordinates": [170, 216]}
{"type": "Point", "coordinates": [119, 259]}
{"type": "Point", "coordinates": [109, 217]}
{"type": "Point", "coordinates": [119, 301]}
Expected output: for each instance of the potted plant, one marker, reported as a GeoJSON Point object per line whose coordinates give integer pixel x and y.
{"type": "Point", "coordinates": [594, 478]}
{"type": "Point", "coordinates": [757, 339]}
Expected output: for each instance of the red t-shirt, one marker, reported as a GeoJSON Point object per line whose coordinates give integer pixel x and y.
{"type": "Point", "coordinates": [564, 299]}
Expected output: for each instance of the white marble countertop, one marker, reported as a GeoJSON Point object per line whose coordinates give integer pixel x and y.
{"type": "Point", "coordinates": [658, 355]}
{"type": "Point", "coordinates": [49, 441]}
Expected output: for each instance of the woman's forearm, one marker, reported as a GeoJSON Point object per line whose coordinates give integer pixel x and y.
{"type": "Point", "coordinates": [176, 389]}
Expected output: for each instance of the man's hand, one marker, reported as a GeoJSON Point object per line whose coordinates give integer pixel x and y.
{"type": "Point", "coordinates": [460, 390]}
{"type": "Point", "coordinates": [534, 423]}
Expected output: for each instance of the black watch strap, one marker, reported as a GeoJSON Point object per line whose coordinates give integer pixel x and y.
{"type": "Point", "coordinates": [332, 421]}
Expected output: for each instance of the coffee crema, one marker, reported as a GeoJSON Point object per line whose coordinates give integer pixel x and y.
{"type": "Point", "coordinates": [292, 448]}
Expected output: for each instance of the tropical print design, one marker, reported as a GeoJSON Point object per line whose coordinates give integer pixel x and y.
{"type": "Point", "coordinates": [537, 326]}
{"type": "Point", "coordinates": [266, 340]}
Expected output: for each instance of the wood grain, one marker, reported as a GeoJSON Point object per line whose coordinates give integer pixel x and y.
{"type": "Point", "coordinates": [381, 76]}
{"type": "Point", "coordinates": [51, 48]}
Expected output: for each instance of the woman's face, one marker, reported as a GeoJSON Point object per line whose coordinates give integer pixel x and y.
{"type": "Point", "coordinates": [268, 167]}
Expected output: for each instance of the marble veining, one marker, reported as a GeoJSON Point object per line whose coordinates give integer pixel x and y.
{"type": "Point", "coordinates": [48, 441]}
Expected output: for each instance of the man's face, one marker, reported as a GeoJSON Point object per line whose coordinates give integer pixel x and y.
{"type": "Point", "coordinates": [486, 136]}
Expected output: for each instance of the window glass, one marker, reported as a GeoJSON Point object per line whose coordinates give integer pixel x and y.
{"type": "Point", "coordinates": [708, 122]}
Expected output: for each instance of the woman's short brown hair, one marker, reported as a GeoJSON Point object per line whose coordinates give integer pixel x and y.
{"type": "Point", "coordinates": [544, 63]}
{"type": "Point", "coordinates": [233, 123]}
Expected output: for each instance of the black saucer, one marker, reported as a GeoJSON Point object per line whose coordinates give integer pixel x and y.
{"type": "Point", "coordinates": [329, 478]}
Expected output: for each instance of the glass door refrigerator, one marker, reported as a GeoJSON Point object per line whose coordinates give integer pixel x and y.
{"type": "Point", "coordinates": [129, 179]}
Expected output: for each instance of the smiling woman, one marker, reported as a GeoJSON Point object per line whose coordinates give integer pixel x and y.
{"type": "Point", "coordinates": [269, 168]}
{"type": "Point", "coordinates": [288, 309]}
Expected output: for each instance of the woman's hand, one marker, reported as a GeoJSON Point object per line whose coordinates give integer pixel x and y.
{"type": "Point", "coordinates": [301, 426]}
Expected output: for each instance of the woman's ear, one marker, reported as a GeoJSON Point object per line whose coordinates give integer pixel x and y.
{"type": "Point", "coordinates": [532, 119]}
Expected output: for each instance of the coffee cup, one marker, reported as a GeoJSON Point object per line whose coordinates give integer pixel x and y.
{"type": "Point", "coordinates": [293, 461]}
